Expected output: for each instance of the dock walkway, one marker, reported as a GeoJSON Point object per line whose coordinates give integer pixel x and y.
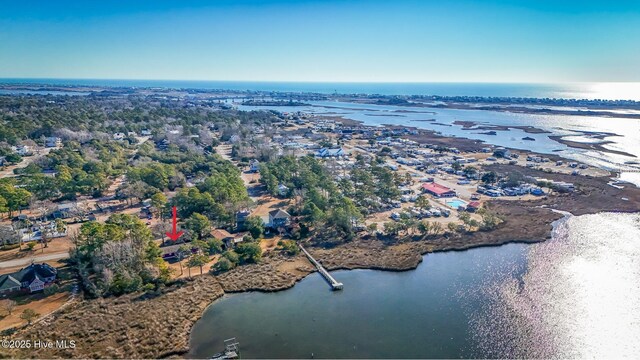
{"type": "Point", "coordinates": [335, 285]}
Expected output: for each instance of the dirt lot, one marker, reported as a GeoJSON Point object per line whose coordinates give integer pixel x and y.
{"type": "Point", "coordinates": [194, 271]}
{"type": "Point", "coordinates": [42, 306]}
{"type": "Point", "coordinates": [267, 204]}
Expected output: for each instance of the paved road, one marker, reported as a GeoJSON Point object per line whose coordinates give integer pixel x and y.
{"type": "Point", "coordinates": [29, 259]}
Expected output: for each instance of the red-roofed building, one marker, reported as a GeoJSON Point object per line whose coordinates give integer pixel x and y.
{"type": "Point", "coordinates": [438, 190]}
{"type": "Point", "coordinates": [473, 206]}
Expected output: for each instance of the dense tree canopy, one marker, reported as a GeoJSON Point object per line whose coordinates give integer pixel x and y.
{"type": "Point", "coordinates": [118, 256]}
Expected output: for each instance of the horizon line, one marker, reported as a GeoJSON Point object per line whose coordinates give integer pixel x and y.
{"type": "Point", "coordinates": [322, 81]}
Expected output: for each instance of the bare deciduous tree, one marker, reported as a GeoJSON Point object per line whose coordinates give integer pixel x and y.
{"type": "Point", "coordinates": [9, 306]}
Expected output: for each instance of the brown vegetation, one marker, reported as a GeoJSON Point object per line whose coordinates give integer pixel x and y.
{"type": "Point", "coordinates": [590, 146]}
{"type": "Point", "coordinates": [273, 273]}
{"type": "Point", "coordinates": [521, 223]}
{"type": "Point", "coordinates": [130, 326]}
{"type": "Point", "coordinates": [593, 194]}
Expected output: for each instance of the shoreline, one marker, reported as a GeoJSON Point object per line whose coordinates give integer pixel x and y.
{"type": "Point", "coordinates": [168, 332]}
{"type": "Point", "coordinates": [589, 146]}
{"type": "Point", "coordinates": [472, 125]}
{"type": "Point", "coordinates": [159, 323]}
{"type": "Point", "coordinates": [469, 144]}
{"type": "Point", "coordinates": [206, 289]}
{"type": "Point", "coordinates": [507, 107]}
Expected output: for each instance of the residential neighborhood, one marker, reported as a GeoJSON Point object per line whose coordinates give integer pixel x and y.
{"type": "Point", "coordinates": [247, 191]}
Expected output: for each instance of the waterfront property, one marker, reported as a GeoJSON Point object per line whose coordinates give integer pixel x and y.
{"type": "Point", "coordinates": [279, 218]}
{"type": "Point", "coordinates": [335, 285]}
{"type": "Point", "coordinates": [171, 252]}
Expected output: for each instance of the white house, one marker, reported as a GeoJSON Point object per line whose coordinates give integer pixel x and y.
{"type": "Point", "coordinates": [326, 153]}
{"type": "Point", "coordinates": [23, 150]}
{"type": "Point", "coordinates": [283, 190]}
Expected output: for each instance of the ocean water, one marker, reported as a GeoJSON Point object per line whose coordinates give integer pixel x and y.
{"type": "Point", "coordinates": [609, 91]}
{"type": "Point", "coordinates": [42, 92]}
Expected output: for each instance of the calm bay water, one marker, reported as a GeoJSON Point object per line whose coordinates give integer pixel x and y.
{"type": "Point", "coordinates": [414, 314]}
{"type": "Point", "coordinates": [577, 295]}
{"type": "Point", "coordinates": [621, 134]}
{"type": "Point", "coordinates": [580, 296]}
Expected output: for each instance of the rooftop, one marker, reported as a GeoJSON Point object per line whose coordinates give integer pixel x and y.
{"type": "Point", "coordinates": [436, 188]}
{"type": "Point", "coordinates": [278, 214]}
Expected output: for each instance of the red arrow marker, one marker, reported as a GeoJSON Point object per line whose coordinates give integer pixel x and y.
{"type": "Point", "coordinates": [174, 235]}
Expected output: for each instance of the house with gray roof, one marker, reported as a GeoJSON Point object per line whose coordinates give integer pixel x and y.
{"type": "Point", "coordinates": [34, 277]}
{"type": "Point", "coordinates": [279, 218]}
{"type": "Point", "coordinates": [329, 153]}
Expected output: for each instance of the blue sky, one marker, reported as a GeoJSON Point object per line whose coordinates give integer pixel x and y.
{"type": "Point", "coordinates": [373, 41]}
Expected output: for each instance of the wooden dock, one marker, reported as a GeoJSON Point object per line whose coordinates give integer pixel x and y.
{"type": "Point", "coordinates": [335, 285]}
{"type": "Point", "coordinates": [231, 351]}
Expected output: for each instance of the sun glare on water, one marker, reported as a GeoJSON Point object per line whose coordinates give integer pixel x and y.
{"type": "Point", "coordinates": [580, 296]}
{"type": "Point", "coordinates": [614, 90]}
